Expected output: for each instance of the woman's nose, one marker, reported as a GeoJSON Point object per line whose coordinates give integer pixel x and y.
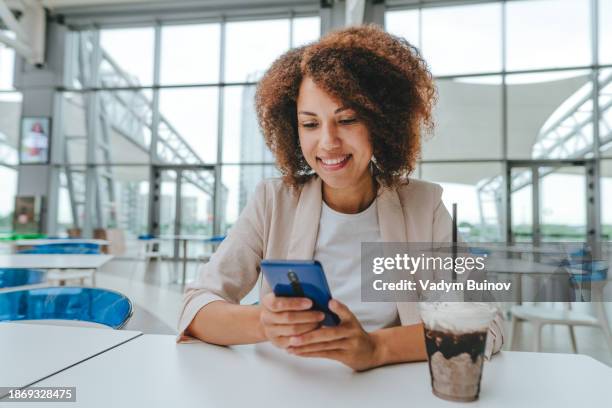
{"type": "Point", "coordinates": [329, 137]}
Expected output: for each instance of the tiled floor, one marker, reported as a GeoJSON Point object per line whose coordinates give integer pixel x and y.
{"type": "Point", "coordinates": [158, 297]}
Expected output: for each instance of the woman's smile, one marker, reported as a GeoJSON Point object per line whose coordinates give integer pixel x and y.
{"type": "Point", "coordinates": [334, 163]}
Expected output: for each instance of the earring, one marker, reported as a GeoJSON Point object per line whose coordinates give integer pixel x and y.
{"type": "Point", "coordinates": [373, 164]}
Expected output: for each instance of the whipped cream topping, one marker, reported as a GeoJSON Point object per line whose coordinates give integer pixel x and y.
{"type": "Point", "coordinates": [457, 317]}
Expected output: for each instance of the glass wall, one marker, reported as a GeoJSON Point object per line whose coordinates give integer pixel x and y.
{"type": "Point", "coordinates": [462, 39]}
{"type": "Point", "coordinates": [129, 119]}
{"type": "Point", "coordinates": [475, 189]}
{"type": "Point", "coordinates": [605, 31]}
{"type": "Point", "coordinates": [166, 95]}
{"type": "Point", "coordinates": [548, 115]}
{"type": "Point", "coordinates": [547, 34]}
{"type": "Point", "coordinates": [605, 111]}
{"type": "Point", "coordinates": [515, 82]}
{"type": "Point", "coordinates": [468, 120]}
{"type": "Point", "coordinates": [606, 199]}
{"type": "Point", "coordinates": [10, 114]}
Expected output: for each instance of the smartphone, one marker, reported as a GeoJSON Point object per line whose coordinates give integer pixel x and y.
{"type": "Point", "coordinates": [301, 279]}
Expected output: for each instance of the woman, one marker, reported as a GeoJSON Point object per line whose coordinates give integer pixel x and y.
{"type": "Point", "coordinates": [343, 117]}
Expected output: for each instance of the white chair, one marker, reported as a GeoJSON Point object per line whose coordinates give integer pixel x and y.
{"type": "Point", "coordinates": [150, 249]}
{"type": "Point", "coordinates": [539, 315]}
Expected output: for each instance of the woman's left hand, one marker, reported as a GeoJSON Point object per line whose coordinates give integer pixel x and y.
{"type": "Point", "coordinates": [347, 343]}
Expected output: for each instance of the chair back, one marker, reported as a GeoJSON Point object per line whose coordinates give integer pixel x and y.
{"type": "Point", "coordinates": [10, 277]}
{"type": "Point", "coordinates": [145, 237]}
{"type": "Point", "coordinates": [94, 305]}
{"type": "Point", "coordinates": [215, 239]}
{"type": "Point", "coordinates": [589, 271]}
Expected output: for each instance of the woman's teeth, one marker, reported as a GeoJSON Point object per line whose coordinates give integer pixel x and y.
{"type": "Point", "coordinates": [331, 162]}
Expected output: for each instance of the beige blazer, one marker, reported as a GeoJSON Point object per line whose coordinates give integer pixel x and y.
{"type": "Point", "coordinates": [279, 223]}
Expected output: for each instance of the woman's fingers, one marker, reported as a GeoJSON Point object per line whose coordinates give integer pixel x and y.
{"type": "Point", "coordinates": [321, 335]}
{"type": "Point", "coordinates": [341, 344]}
{"type": "Point", "coordinates": [343, 312]}
{"type": "Point", "coordinates": [338, 355]}
{"type": "Point", "coordinates": [282, 304]}
{"type": "Point", "coordinates": [310, 316]}
{"type": "Point", "coordinates": [291, 329]}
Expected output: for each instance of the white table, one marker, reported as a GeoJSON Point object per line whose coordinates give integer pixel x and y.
{"type": "Point", "coordinates": [55, 261]}
{"type": "Point", "coordinates": [153, 371]}
{"type": "Point", "coordinates": [535, 251]}
{"type": "Point", "coordinates": [31, 352]}
{"type": "Point", "coordinates": [519, 267]}
{"type": "Point", "coordinates": [36, 242]}
{"type": "Point", "coordinates": [60, 262]}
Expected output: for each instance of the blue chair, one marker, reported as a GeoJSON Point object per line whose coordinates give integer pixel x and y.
{"type": "Point", "coordinates": [589, 271]}
{"type": "Point", "coordinates": [80, 248]}
{"type": "Point", "coordinates": [215, 239]}
{"type": "Point", "coordinates": [93, 305]}
{"type": "Point", "coordinates": [18, 277]}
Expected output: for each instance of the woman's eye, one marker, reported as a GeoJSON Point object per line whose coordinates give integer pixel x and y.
{"type": "Point", "coordinates": [348, 121]}
{"type": "Point", "coordinates": [309, 124]}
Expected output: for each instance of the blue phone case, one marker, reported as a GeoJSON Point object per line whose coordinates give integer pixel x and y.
{"type": "Point", "coordinates": [301, 279]}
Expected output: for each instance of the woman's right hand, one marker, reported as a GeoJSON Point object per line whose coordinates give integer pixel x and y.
{"type": "Point", "coordinates": [283, 317]}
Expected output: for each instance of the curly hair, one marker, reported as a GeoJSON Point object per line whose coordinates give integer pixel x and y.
{"type": "Point", "coordinates": [381, 77]}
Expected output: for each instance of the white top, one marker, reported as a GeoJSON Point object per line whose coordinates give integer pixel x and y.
{"type": "Point", "coordinates": [338, 249]}
{"type": "Point", "coordinates": [152, 371]}
{"type": "Point", "coordinates": [58, 261]}
{"type": "Point", "coordinates": [30, 352]}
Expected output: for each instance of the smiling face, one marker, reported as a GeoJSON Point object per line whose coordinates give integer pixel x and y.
{"type": "Point", "coordinates": [335, 142]}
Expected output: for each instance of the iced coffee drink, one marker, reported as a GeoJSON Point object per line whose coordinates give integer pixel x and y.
{"type": "Point", "coordinates": [455, 338]}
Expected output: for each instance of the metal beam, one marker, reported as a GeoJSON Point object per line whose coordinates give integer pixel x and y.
{"type": "Point", "coordinates": [30, 32]}
{"type": "Point", "coordinates": [6, 15]}
{"type": "Point", "coordinates": [355, 11]}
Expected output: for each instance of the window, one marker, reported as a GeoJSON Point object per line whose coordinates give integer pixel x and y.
{"type": "Point", "coordinates": [477, 190]}
{"type": "Point", "coordinates": [606, 199]}
{"type": "Point", "coordinates": [463, 39]}
{"type": "Point", "coordinates": [404, 23]}
{"type": "Point", "coordinates": [305, 30]}
{"type": "Point", "coordinates": [188, 98]}
{"type": "Point", "coordinates": [10, 115]}
{"type": "Point", "coordinates": [8, 190]}
{"type": "Point", "coordinates": [251, 46]}
{"type": "Point", "coordinates": [242, 139]}
{"type": "Point", "coordinates": [188, 121]}
{"type": "Point", "coordinates": [467, 120]}
{"type": "Point", "coordinates": [239, 183]}
{"type": "Point", "coordinates": [124, 134]}
{"type": "Point", "coordinates": [605, 112]}
{"type": "Point", "coordinates": [547, 34]}
{"type": "Point", "coordinates": [7, 62]}
{"type": "Point", "coordinates": [605, 32]}
{"type": "Point", "coordinates": [131, 203]}
{"type": "Point", "coordinates": [127, 56]}
{"type": "Point", "coordinates": [190, 54]}
{"type": "Point", "coordinates": [546, 115]}
{"type": "Point", "coordinates": [70, 209]}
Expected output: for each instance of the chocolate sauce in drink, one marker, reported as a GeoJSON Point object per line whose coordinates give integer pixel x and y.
{"type": "Point", "coordinates": [451, 345]}
{"type": "Point", "coordinates": [455, 363]}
